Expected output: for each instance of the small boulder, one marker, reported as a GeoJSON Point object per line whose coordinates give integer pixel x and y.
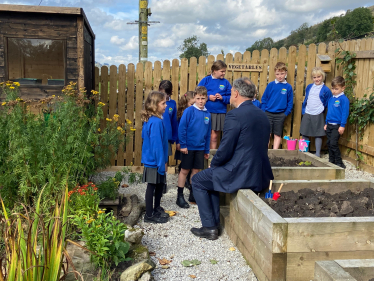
{"type": "Point", "coordinates": [134, 272]}
{"type": "Point", "coordinates": [334, 208]}
{"type": "Point", "coordinates": [134, 236]}
{"type": "Point", "coordinates": [146, 277]}
{"type": "Point", "coordinates": [346, 208]}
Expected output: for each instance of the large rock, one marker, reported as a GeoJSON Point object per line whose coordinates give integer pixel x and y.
{"type": "Point", "coordinates": [81, 261]}
{"type": "Point", "coordinates": [137, 208]}
{"type": "Point", "coordinates": [134, 236]}
{"type": "Point", "coordinates": [134, 272]}
{"type": "Point", "coordinates": [346, 208]}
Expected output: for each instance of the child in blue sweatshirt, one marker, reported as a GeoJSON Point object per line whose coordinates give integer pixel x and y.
{"type": "Point", "coordinates": [336, 119]}
{"type": "Point", "coordinates": [169, 118]}
{"type": "Point", "coordinates": [219, 93]}
{"type": "Point", "coordinates": [277, 102]}
{"type": "Point", "coordinates": [154, 155]}
{"type": "Point", "coordinates": [317, 96]}
{"type": "Point", "coordinates": [254, 100]}
{"type": "Point", "coordinates": [194, 138]}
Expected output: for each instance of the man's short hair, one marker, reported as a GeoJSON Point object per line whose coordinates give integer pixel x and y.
{"type": "Point", "coordinates": [338, 81]}
{"type": "Point", "coordinates": [245, 90]}
{"type": "Point", "coordinates": [201, 90]}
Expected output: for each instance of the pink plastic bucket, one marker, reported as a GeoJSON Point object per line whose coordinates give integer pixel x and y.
{"type": "Point", "coordinates": [291, 144]}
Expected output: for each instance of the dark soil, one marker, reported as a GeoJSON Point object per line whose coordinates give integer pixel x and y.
{"type": "Point", "coordinates": [284, 162]}
{"type": "Point", "coordinates": [311, 203]}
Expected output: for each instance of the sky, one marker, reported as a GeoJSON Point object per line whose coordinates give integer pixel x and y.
{"type": "Point", "coordinates": [228, 25]}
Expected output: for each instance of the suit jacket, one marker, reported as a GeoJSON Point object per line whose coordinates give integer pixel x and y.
{"type": "Point", "coordinates": [242, 161]}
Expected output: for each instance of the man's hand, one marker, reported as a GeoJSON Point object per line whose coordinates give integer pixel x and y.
{"type": "Point", "coordinates": [325, 127]}
{"type": "Point", "coordinates": [212, 98]}
{"type": "Point", "coordinates": [178, 146]}
{"type": "Point", "coordinates": [341, 130]}
{"type": "Point", "coordinates": [218, 97]}
{"type": "Point", "coordinates": [184, 150]}
{"type": "Point", "coordinates": [206, 156]}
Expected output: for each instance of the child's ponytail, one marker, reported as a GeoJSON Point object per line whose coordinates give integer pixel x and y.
{"type": "Point", "coordinates": [151, 105]}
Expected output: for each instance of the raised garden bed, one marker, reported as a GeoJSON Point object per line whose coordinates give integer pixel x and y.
{"type": "Point", "coordinates": [280, 248]}
{"type": "Point", "coordinates": [312, 166]}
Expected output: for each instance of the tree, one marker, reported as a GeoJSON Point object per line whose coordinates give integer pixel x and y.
{"type": "Point", "coordinates": [191, 48]}
{"type": "Point", "coordinates": [355, 23]}
{"type": "Point", "coordinates": [266, 43]}
{"type": "Point", "coordinates": [298, 35]}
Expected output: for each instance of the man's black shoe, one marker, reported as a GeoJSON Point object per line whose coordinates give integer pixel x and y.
{"type": "Point", "coordinates": [181, 202]}
{"type": "Point", "coordinates": [165, 189]}
{"type": "Point", "coordinates": [155, 218]}
{"type": "Point", "coordinates": [220, 230]}
{"type": "Point", "coordinates": [203, 232]}
{"type": "Point", "coordinates": [162, 213]}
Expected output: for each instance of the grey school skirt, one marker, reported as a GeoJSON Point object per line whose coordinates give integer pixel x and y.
{"type": "Point", "coordinates": [150, 175]}
{"type": "Point", "coordinates": [218, 120]}
{"type": "Point", "coordinates": [312, 125]}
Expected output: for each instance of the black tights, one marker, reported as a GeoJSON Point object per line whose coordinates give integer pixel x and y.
{"type": "Point", "coordinates": [157, 189]}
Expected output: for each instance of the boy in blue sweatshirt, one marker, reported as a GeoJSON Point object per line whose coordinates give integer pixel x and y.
{"type": "Point", "coordinates": [277, 102]}
{"type": "Point", "coordinates": [169, 119]}
{"type": "Point", "coordinates": [336, 119]}
{"type": "Point", "coordinates": [194, 138]}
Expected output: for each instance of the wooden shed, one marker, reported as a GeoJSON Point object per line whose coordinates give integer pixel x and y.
{"type": "Point", "coordinates": [44, 48]}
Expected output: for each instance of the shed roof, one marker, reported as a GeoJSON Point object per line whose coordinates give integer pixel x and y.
{"type": "Point", "coordinates": [46, 10]}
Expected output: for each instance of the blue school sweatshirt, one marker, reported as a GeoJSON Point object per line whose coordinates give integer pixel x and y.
{"type": "Point", "coordinates": [170, 120]}
{"type": "Point", "coordinates": [277, 98]}
{"type": "Point", "coordinates": [338, 110]}
{"type": "Point", "coordinates": [194, 129]}
{"type": "Point", "coordinates": [256, 103]}
{"type": "Point", "coordinates": [214, 86]}
{"type": "Point", "coordinates": [324, 95]}
{"type": "Point", "coordinates": [155, 144]}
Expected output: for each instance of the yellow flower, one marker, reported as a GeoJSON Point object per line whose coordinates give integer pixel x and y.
{"type": "Point", "coordinates": [89, 221]}
{"type": "Point", "coordinates": [98, 225]}
{"type": "Point", "coordinates": [119, 128]}
{"type": "Point", "coordinates": [2, 83]}
{"type": "Point", "coordinates": [131, 164]}
{"type": "Point", "coordinates": [128, 121]}
{"type": "Point", "coordinates": [107, 119]}
{"type": "Point", "coordinates": [101, 104]}
{"type": "Point", "coordinates": [53, 96]}
{"type": "Point", "coordinates": [116, 115]}
{"type": "Point", "coordinates": [4, 103]}
{"type": "Point", "coordinates": [101, 212]}
{"type": "Point", "coordinates": [99, 130]}
{"type": "Point", "coordinates": [12, 88]}
{"type": "Point", "coordinates": [94, 92]}
{"type": "Point", "coordinates": [132, 129]}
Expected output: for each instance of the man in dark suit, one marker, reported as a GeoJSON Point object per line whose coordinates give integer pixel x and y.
{"type": "Point", "coordinates": [241, 161]}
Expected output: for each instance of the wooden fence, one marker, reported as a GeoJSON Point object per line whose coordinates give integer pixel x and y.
{"type": "Point", "coordinates": [125, 88]}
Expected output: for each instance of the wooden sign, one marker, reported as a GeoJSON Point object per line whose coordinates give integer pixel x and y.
{"type": "Point", "coordinates": [245, 67]}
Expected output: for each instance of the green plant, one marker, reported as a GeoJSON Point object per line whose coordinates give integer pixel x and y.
{"type": "Point", "coordinates": [105, 237]}
{"type": "Point", "coordinates": [109, 188]}
{"type": "Point", "coordinates": [63, 149]}
{"type": "Point", "coordinates": [84, 199]}
{"type": "Point", "coordinates": [306, 163]}
{"type": "Point", "coordinates": [134, 178]}
{"type": "Point", "coordinates": [23, 262]}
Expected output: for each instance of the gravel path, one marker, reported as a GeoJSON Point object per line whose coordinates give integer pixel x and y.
{"type": "Point", "coordinates": [174, 241]}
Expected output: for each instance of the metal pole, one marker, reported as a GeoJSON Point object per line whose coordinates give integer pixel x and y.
{"type": "Point", "coordinates": [143, 31]}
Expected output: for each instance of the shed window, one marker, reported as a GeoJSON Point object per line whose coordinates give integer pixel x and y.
{"type": "Point", "coordinates": [36, 61]}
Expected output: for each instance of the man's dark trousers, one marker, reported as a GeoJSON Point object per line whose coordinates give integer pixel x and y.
{"type": "Point", "coordinates": [332, 143]}
{"type": "Point", "coordinates": [206, 198]}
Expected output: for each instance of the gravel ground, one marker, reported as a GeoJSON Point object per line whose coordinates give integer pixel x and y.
{"type": "Point", "coordinates": [351, 172]}
{"type": "Point", "coordinates": [174, 241]}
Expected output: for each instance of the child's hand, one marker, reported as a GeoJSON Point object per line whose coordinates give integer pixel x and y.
{"type": "Point", "coordinates": [341, 130]}
{"type": "Point", "coordinates": [206, 156]}
{"type": "Point", "coordinates": [325, 127]}
{"type": "Point", "coordinates": [184, 150]}
{"type": "Point", "coordinates": [218, 96]}
{"type": "Point", "coordinates": [178, 146]}
{"type": "Point", "coordinates": [212, 98]}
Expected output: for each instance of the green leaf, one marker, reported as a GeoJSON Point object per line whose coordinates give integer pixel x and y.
{"type": "Point", "coordinates": [213, 262]}
{"type": "Point", "coordinates": [186, 263]}
{"type": "Point", "coordinates": [196, 262]}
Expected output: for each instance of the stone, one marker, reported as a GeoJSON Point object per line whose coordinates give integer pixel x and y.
{"type": "Point", "coordinates": [126, 209]}
{"type": "Point", "coordinates": [134, 236]}
{"type": "Point", "coordinates": [81, 261]}
{"type": "Point", "coordinates": [134, 272]}
{"type": "Point", "coordinates": [335, 208]}
{"type": "Point", "coordinates": [346, 208]}
{"type": "Point", "coordinates": [146, 276]}
{"type": "Point", "coordinates": [136, 211]}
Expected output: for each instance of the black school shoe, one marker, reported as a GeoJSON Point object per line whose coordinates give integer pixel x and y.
{"type": "Point", "coordinates": [341, 165]}
{"type": "Point", "coordinates": [162, 212]}
{"type": "Point", "coordinates": [181, 202]}
{"type": "Point", "coordinates": [203, 232]}
{"type": "Point", "coordinates": [156, 218]}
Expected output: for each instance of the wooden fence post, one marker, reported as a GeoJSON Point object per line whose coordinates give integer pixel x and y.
{"type": "Point", "coordinates": [121, 109]}
{"type": "Point", "coordinates": [130, 113]}
{"type": "Point", "coordinates": [138, 108]}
